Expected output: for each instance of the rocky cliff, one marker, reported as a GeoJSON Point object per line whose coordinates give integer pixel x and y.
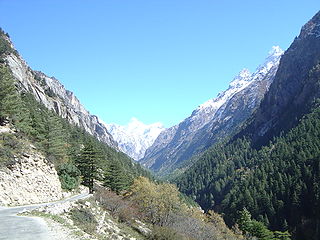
{"type": "Point", "coordinates": [294, 89]}
{"type": "Point", "coordinates": [29, 179]}
{"type": "Point", "coordinates": [53, 95]}
{"type": "Point", "coordinates": [213, 120]}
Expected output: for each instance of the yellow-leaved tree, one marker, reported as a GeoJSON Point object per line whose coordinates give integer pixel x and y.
{"type": "Point", "coordinates": [157, 201]}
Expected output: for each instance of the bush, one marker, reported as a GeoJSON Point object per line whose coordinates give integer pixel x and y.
{"type": "Point", "coordinates": [165, 233]}
{"type": "Point", "coordinates": [10, 146]}
{"type": "Point", "coordinates": [116, 205]}
{"type": "Point", "coordinates": [84, 219]}
{"type": "Point", "coordinates": [69, 176]}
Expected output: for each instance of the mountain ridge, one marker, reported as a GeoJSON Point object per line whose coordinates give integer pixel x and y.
{"type": "Point", "coordinates": [210, 121]}
{"type": "Point", "coordinates": [135, 137]}
{"type": "Point", "coordinates": [50, 92]}
{"type": "Point", "coordinates": [281, 108]}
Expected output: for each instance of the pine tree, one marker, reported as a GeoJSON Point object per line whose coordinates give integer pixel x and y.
{"type": "Point", "coordinates": [55, 145]}
{"type": "Point", "coordinates": [282, 235]}
{"type": "Point", "coordinates": [87, 163]}
{"type": "Point", "coordinates": [244, 220]}
{"type": "Point", "coordinates": [9, 97]}
{"type": "Point", "coordinates": [115, 178]}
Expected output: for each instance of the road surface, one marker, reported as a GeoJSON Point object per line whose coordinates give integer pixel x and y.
{"type": "Point", "coordinates": [13, 227]}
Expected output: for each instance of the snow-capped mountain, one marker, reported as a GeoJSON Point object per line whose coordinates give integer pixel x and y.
{"type": "Point", "coordinates": [214, 119]}
{"type": "Point", "coordinates": [136, 137]}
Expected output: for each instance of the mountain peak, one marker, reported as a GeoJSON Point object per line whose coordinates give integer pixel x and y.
{"type": "Point", "coordinates": [312, 27]}
{"type": "Point", "coordinates": [241, 78]}
{"type": "Point", "coordinates": [275, 51]}
{"type": "Point", "coordinates": [244, 73]}
{"type": "Point", "coordinates": [135, 137]}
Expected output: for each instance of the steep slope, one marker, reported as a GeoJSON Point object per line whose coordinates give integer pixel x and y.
{"type": "Point", "coordinates": [214, 119]}
{"type": "Point", "coordinates": [50, 92]}
{"type": "Point", "coordinates": [294, 87]}
{"type": "Point", "coordinates": [272, 166]}
{"type": "Point", "coordinates": [136, 137]}
{"type": "Point", "coordinates": [27, 118]}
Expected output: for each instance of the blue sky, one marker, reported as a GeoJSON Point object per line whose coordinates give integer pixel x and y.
{"type": "Point", "coordinates": [155, 60]}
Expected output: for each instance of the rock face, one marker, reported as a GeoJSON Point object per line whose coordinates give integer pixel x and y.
{"type": "Point", "coordinates": [295, 87]}
{"type": "Point", "coordinates": [136, 137]}
{"type": "Point", "coordinates": [31, 179]}
{"type": "Point", "coordinates": [53, 95]}
{"type": "Point", "coordinates": [213, 120]}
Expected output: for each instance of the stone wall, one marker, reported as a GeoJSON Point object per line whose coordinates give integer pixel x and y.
{"type": "Point", "coordinates": [30, 180]}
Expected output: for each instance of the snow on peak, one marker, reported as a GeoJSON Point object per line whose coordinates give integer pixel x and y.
{"type": "Point", "coordinates": [241, 79]}
{"type": "Point", "coordinates": [135, 137]}
{"type": "Point", "coordinates": [275, 51]}
{"type": "Point", "coordinates": [272, 60]}
{"type": "Point", "coordinates": [207, 110]}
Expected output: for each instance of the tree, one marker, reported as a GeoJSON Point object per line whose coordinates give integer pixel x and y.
{"type": "Point", "coordinates": [69, 176]}
{"type": "Point", "coordinates": [282, 235]}
{"type": "Point", "coordinates": [55, 144]}
{"type": "Point", "coordinates": [259, 230]}
{"type": "Point", "coordinates": [9, 97]}
{"type": "Point", "coordinates": [244, 220]}
{"type": "Point", "coordinates": [157, 201]}
{"type": "Point", "coordinates": [87, 163]}
{"type": "Point", "coordinates": [115, 177]}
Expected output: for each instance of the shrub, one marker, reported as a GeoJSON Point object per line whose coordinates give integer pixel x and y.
{"type": "Point", "coordinates": [165, 233]}
{"type": "Point", "coordinates": [10, 146]}
{"type": "Point", "coordinates": [84, 219]}
{"type": "Point", "coordinates": [69, 176]}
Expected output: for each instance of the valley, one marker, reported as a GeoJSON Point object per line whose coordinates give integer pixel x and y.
{"type": "Point", "coordinates": [243, 165]}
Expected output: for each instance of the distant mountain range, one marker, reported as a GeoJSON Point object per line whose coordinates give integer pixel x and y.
{"type": "Point", "coordinates": [213, 120]}
{"type": "Point", "coordinates": [136, 137]}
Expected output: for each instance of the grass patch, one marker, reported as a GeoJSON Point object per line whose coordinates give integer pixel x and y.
{"type": "Point", "coordinates": [84, 219]}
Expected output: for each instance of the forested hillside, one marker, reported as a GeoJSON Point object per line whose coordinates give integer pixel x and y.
{"type": "Point", "coordinates": [278, 184]}
{"type": "Point", "coordinates": [69, 147]}
{"type": "Point", "coordinates": [120, 186]}
{"type": "Point", "coordinates": [271, 169]}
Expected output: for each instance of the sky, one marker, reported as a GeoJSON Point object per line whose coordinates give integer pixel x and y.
{"type": "Point", "coordinates": [155, 60]}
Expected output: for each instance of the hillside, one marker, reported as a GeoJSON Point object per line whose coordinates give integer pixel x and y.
{"type": "Point", "coordinates": [34, 112]}
{"type": "Point", "coordinates": [45, 157]}
{"type": "Point", "coordinates": [271, 167]}
{"type": "Point", "coordinates": [52, 94]}
{"type": "Point", "coordinates": [213, 120]}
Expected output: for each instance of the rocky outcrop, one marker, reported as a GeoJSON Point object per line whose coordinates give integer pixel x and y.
{"type": "Point", "coordinates": [214, 120]}
{"type": "Point", "coordinates": [50, 92]}
{"type": "Point", "coordinates": [30, 179]}
{"type": "Point", "coordinates": [294, 89]}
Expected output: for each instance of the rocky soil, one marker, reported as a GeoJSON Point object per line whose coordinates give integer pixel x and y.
{"type": "Point", "coordinates": [30, 179]}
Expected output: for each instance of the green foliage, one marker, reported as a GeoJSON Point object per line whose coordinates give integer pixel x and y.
{"type": "Point", "coordinates": [244, 220]}
{"type": "Point", "coordinates": [55, 138]}
{"type": "Point", "coordinates": [62, 143]}
{"type": "Point", "coordinates": [165, 233]}
{"type": "Point", "coordinates": [84, 219]}
{"type": "Point", "coordinates": [278, 184]}
{"type": "Point", "coordinates": [9, 98]}
{"type": "Point", "coordinates": [5, 46]}
{"type": "Point", "coordinates": [87, 162]}
{"type": "Point", "coordinates": [69, 176]}
{"type": "Point", "coordinates": [115, 177]}
{"type": "Point", "coordinates": [158, 201]}
{"type": "Point", "coordinates": [10, 146]}
{"type": "Point", "coordinates": [281, 235]}
{"type": "Point", "coordinates": [253, 228]}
